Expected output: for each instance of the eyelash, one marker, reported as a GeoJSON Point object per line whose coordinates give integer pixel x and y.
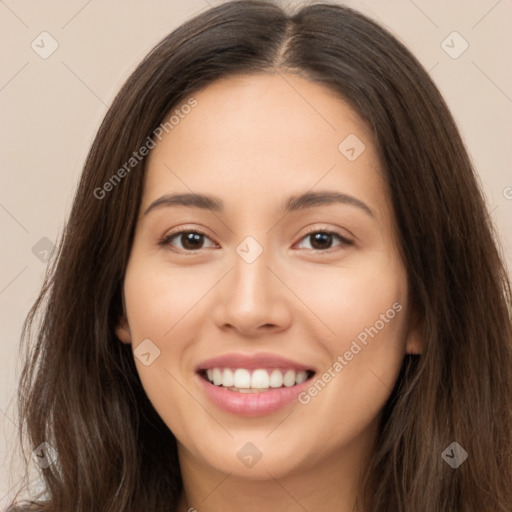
{"type": "Point", "coordinates": [166, 240]}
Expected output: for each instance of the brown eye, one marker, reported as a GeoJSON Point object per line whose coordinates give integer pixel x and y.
{"type": "Point", "coordinates": [187, 241]}
{"type": "Point", "coordinates": [321, 240]}
{"type": "Point", "coordinates": [324, 240]}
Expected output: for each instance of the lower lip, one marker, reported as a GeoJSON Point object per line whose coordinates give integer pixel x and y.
{"type": "Point", "coordinates": [252, 404]}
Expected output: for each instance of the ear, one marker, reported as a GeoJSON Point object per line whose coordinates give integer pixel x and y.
{"type": "Point", "coordinates": [123, 327]}
{"type": "Point", "coordinates": [123, 330]}
{"type": "Point", "coordinates": [414, 343]}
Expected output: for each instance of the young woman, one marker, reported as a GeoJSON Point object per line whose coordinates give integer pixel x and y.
{"type": "Point", "coordinates": [278, 288]}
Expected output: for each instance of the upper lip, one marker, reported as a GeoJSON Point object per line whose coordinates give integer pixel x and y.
{"type": "Point", "coordinates": [251, 362]}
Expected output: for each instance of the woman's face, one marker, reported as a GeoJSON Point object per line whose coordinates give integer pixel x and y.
{"type": "Point", "coordinates": [295, 275]}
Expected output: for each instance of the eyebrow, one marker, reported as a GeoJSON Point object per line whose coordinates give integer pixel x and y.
{"type": "Point", "coordinates": [294, 203]}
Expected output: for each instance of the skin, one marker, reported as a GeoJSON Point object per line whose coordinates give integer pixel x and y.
{"type": "Point", "coordinates": [253, 142]}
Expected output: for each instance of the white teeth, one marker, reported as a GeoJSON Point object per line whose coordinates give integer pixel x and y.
{"type": "Point", "coordinates": [217, 376]}
{"type": "Point", "coordinates": [241, 379]}
{"type": "Point", "coordinates": [228, 379]}
{"type": "Point", "coordinates": [301, 377]}
{"type": "Point", "coordinates": [276, 379]}
{"type": "Point", "coordinates": [260, 379]}
{"type": "Point", "coordinates": [289, 378]}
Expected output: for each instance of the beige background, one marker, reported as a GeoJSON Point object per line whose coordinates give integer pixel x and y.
{"type": "Point", "coordinates": [52, 107]}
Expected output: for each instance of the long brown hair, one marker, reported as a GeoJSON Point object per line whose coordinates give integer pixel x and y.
{"type": "Point", "coordinates": [80, 390]}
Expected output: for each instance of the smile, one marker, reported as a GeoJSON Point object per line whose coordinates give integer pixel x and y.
{"type": "Point", "coordinates": [252, 385]}
{"type": "Point", "coordinates": [260, 380]}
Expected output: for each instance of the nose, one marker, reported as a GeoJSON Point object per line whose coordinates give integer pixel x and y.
{"type": "Point", "coordinates": [251, 300]}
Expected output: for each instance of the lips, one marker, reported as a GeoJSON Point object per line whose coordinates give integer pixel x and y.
{"type": "Point", "coordinates": [252, 362]}
{"type": "Point", "coordinates": [253, 384]}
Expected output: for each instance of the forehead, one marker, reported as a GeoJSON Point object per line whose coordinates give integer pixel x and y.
{"type": "Point", "coordinates": [259, 135]}
{"type": "Point", "coordinates": [257, 107]}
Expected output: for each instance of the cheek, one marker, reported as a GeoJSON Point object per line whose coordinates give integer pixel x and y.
{"type": "Point", "coordinates": [160, 297]}
{"type": "Point", "coordinates": [363, 348]}
{"type": "Point", "coordinates": [162, 303]}
{"type": "Point", "coordinates": [350, 300]}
